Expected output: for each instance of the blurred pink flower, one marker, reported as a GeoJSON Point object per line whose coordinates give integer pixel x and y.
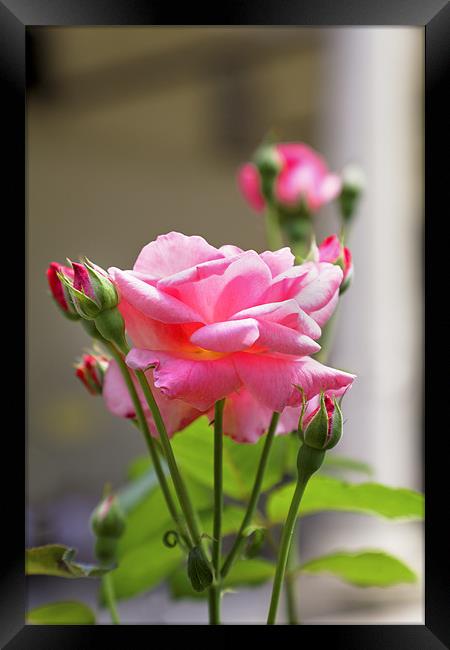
{"type": "Point", "coordinates": [213, 320]}
{"type": "Point", "coordinates": [303, 176]}
{"type": "Point", "coordinates": [331, 250]}
{"type": "Point", "coordinates": [176, 414]}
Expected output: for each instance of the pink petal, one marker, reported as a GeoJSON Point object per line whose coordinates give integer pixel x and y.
{"type": "Point", "coordinates": [175, 413]}
{"type": "Point", "coordinates": [150, 301]}
{"type": "Point", "coordinates": [278, 338]}
{"type": "Point", "coordinates": [229, 250]}
{"type": "Point", "coordinates": [273, 380]}
{"type": "Point", "coordinates": [250, 185]}
{"type": "Point", "coordinates": [294, 184]}
{"type": "Point", "coordinates": [278, 261]}
{"type": "Point", "coordinates": [231, 336]}
{"type": "Point", "coordinates": [286, 313]}
{"type": "Point", "coordinates": [241, 286]}
{"type": "Point", "coordinates": [330, 249]}
{"type": "Point", "coordinates": [321, 316]}
{"type": "Point", "coordinates": [199, 382]}
{"type": "Point", "coordinates": [244, 418]}
{"type": "Point", "coordinates": [115, 393]}
{"type": "Point", "coordinates": [319, 287]}
{"type": "Point", "coordinates": [172, 253]}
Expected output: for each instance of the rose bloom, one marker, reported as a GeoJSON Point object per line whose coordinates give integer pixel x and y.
{"type": "Point", "coordinates": [303, 176]}
{"type": "Point", "coordinates": [175, 413]}
{"type": "Point", "coordinates": [331, 250]}
{"type": "Point", "coordinates": [212, 321]}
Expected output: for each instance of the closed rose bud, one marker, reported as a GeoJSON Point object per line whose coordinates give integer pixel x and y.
{"type": "Point", "coordinates": [95, 298]}
{"type": "Point", "coordinates": [322, 427]}
{"type": "Point", "coordinates": [90, 370]}
{"type": "Point", "coordinates": [332, 250]}
{"type": "Point", "coordinates": [59, 291]}
{"type": "Point", "coordinates": [108, 525]}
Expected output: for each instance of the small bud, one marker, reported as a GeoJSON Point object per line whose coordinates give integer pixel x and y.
{"type": "Point", "coordinates": [353, 185]}
{"type": "Point", "coordinates": [59, 291]}
{"type": "Point", "coordinates": [322, 429]}
{"type": "Point", "coordinates": [108, 520]}
{"type": "Point", "coordinates": [90, 370]}
{"type": "Point", "coordinates": [268, 162]}
{"type": "Point", "coordinates": [199, 571]}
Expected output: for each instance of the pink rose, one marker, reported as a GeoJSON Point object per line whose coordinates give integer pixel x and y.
{"type": "Point", "coordinates": [303, 175]}
{"type": "Point", "coordinates": [213, 320]}
{"type": "Point", "coordinates": [331, 250]}
{"type": "Point", "coordinates": [176, 414]}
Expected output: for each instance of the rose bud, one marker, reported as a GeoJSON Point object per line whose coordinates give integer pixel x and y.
{"type": "Point", "coordinates": [332, 250]}
{"type": "Point", "coordinates": [321, 428]}
{"type": "Point", "coordinates": [353, 185]}
{"type": "Point", "coordinates": [90, 370]}
{"type": "Point", "coordinates": [95, 298]}
{"type": "Point", "coordinates": [108, 525]}
{"type": "Point", "coordinates": [59, 291]}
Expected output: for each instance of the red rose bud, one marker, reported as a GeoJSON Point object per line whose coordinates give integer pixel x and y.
{"type": "Point", "coordinates": [90, 370]}
{"type": "Point", "coordinates": [322, 428]}
{"type": "Point", "coordinates": [59, 291]}
{"type": "Point", "coordinates": [333, 251]}
{"type": "Point", "coordinates": [96, 299]}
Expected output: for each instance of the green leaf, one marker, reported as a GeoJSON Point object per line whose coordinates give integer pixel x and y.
{"type": "Point", "coordinates": [232, 517]}
{"type": "Point", "coordinates": [341, 463]}
{"type": "Point", "coordinates": [244, 573]}
{"type": "Point", "coordinates": [59, 560]}
{"type": "Point", "coordinates": [326, 493]}
{"type": "Point", "coordinates": [194, 451]}
{"type": "Point", "coordinates": [370, 568]}
{"type": "Point", "coordinates": [70, 612]}
{"type": "Point", "coordinates": [144, 567]}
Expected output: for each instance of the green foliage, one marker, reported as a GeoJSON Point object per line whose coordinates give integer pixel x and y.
{"type": "Point", "coordinates": [70, 612]}
{"type": "Point", "coordinates": [144, 567]}
{"type": "Point", "coordinates": [59, 560]}
{"type": "Point", "coordinates": [326, 493]}
{"type": "Point", "coordinates": [245, 573]}
{"type": "Point", "coordinates": [369, 568]}
{"type": "Point", "coordinates": [194, 451]}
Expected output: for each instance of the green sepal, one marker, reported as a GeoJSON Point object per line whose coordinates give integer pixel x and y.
{"type": "Point", "coordinates": [198, 569]}
{"type": "Point", "coordinates": [111, 326]}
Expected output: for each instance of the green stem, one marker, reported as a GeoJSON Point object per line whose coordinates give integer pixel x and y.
{"type": "Point", "coordinates": [151, 443]}
{"type": "Point", "coordinates": [180, 488]}
{"type": "Point", "coordinates": [273, 230]}
{"type": "Point", "coordinates": [253, 497]}
{"type": "Point", "coordinates": [214, 603]}
{"type": "Point", "coordinates": [110, 598]}
{"type": "Point", "coordinates": [290, 582]}
{"type": "Point", "coordinates": [309, 461]}
{"type": "Point", "coordinates": [285, 545]}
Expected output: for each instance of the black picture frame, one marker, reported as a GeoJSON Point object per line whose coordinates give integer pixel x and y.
{"type": "Point", "coordinates": [434, 15]}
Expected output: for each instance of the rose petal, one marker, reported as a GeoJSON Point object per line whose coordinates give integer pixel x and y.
{"type": "Point", "coordinates": [230, 336]}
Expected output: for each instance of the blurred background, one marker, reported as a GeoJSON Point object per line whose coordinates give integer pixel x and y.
{"type": "Point", "coordinates": [133, 132]}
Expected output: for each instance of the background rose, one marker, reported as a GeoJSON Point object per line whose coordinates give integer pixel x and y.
{"type": "Point", "coordinates": [213, 320]}
{"type": "Point", "coordinates": [303, 175]}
